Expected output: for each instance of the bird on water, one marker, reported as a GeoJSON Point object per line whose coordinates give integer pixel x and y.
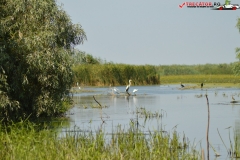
{"type": "Point", "coordinates": [201, 85]}
{"type": "Point", "coordinates": [182, 85]}
{"type": "Point", "coordinates": [134, 91]}
{"type": "Point", "coordinates": [128, 86]}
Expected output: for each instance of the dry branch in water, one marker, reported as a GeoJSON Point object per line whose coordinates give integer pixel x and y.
{"type": "Point", "coordinates": [97, 102]}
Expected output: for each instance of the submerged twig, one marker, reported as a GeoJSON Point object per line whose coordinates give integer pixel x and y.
{"type": "Point", "coordinates": [208, 128]}
{"type": "Point", "coordinates": [103, 121]}
{"type": "Point", "coordinates": [97, 101]}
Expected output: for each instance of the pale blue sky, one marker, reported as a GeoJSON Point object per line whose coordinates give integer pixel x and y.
{"type": "Point", "coordinates": [155, 32]}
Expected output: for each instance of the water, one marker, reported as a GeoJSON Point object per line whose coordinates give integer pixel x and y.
{"type": "Point", "coordinates": [183, 110]}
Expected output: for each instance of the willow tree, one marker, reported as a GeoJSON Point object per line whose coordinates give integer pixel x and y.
{"type": "Point", "coordinates": [36, 40]}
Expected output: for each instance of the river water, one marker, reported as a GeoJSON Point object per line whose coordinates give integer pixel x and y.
{"type": "Point", "coordinates": [183, 110]}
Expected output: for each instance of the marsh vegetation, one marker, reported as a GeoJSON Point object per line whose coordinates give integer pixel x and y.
{"type": "Point", "coordinates": [26, 140]}
{"type": "Point", "coordinates": [107, 74]}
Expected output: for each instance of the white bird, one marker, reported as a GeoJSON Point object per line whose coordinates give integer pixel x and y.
{"type": "Point", "coordinates": [135, 90]}
{"type": "Point", "coordinates": [128, 86]}
{"type": "Point", "coordinates": [116, 90]}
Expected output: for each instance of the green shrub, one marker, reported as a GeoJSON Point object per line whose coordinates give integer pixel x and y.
{"type": "Point", "coordinates": [36, 39]}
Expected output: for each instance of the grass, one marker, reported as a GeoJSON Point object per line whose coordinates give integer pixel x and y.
{"type": "Point", "coordinates": [26, 140]}
{"type": "Point", "coordinates": [208, 80]}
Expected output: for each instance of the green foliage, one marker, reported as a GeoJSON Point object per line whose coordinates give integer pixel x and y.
{"type": "Point", "coordinates": [115, 74]}
{"type": "Point", "coordinates": [80, 57]}
{"type": "Point", "coordinates": [36, 39]}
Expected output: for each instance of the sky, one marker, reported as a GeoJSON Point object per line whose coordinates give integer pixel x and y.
{"type": "Point", "coordinates": [155, 32]}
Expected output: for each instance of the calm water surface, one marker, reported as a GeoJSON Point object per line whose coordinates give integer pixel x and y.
{"type": "Point", "coordinates": [183, 110]}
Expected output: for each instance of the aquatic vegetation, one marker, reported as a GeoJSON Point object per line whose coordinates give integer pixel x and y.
{"type": "Point", "coordinates": [199, 96]}
{"type": "Point", "coordinates": [26, 140]}
{"type": "Point", "coordinates": [234, 148]}
{"type": "Point", "coordinates": [92, 105]}
{"type": "Point", "coordinates": [215, 151]}
{"type": "Point", "coordinates": [97, 106]}
{"type": "Point", "coordinates": [143, 113]}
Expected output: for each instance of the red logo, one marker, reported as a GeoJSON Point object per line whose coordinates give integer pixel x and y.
{"type": "Point", "coordinates": [182, 5]}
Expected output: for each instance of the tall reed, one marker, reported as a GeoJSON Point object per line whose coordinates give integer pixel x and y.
{"type": "Point", "coordinates": [115, 74]}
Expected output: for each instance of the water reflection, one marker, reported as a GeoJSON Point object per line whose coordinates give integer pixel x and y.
{"type": "Point", "coordinates": [185, 109]}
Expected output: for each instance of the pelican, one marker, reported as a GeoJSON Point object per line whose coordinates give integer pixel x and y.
{"type": "Point", "coordinates": [113, 90]}
{"type": "Point", "coordinates": [128, 86]}
{"type": "Point", "coordinates": [116, 90]}
{"type": "Point", "coordinates": [135, 90]}
{"type": "Point", "coordinates": [182, 85]}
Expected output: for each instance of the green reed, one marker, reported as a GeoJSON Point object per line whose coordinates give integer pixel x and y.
{"type": "Point", "coordinates": [233, 149]}
{"type": "Point", "coordinates": [26, 140]}
{"type": "Point", "coordinates": [115, 74]}
{"type": "Point", "coordinates": [119, 74]}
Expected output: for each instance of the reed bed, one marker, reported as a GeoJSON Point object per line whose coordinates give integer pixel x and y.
{"type": "Point", "coordinates": [105, 74]}
{"type": "Point", "coordinates": [200, 79]}
{"type": "Point", "coordinates": [115, 74]}
{"type": "Point", "coordinates": [26, 140]}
